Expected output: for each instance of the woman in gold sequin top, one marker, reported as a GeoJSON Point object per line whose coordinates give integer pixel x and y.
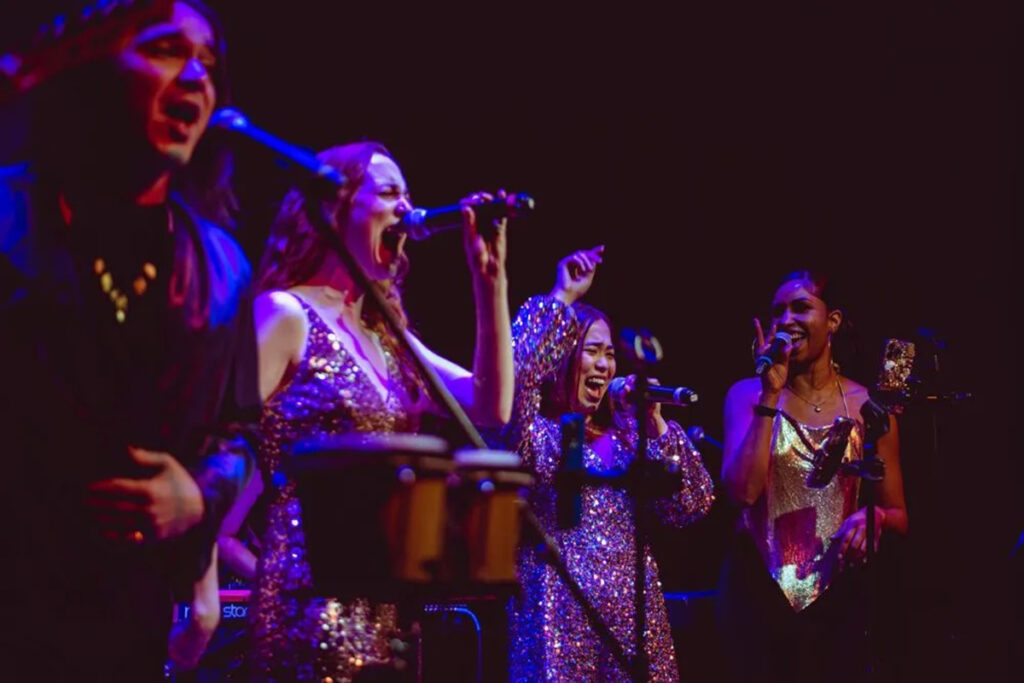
{"type": "Point", "coordinates": [565, 359]}
{"type": "Point", "coordinates": [789, 610]}
{"type": "Point", "coordinates": [329, 365]}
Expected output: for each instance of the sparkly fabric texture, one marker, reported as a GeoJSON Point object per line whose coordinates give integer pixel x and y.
{"type": "Point", "coordinates": [550, 638]}
{"type": "Point", "coordinates": [791, 524]}
{"type": "Point", "coordinates": [297, 636]}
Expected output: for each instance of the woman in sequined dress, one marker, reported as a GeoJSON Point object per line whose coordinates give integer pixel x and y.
{"type": "Point", "coordinates": [788, 595]}
{"type": "Point", "coordinates": [329, 365]}
{"type": "Point", "coordinates": [565, 358]}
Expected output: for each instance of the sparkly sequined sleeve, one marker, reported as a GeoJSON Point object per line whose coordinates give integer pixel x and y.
{"type": "Point", "coordinates": [696, 493]}
{"type": "Point", "coordinates": [694, 497]}
{"type": "Point", "coordinates": [543, 332]}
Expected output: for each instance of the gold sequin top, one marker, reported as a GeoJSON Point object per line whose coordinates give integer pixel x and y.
{"type": "Point", "coordinates": [297, 636]}
{"type": "Point", "coordinates": [549, 634]}
{"type": "Point", "coordinates": [792, 524]}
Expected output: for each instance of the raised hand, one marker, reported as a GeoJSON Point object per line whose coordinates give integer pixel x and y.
{"type": "Point", "coordinates": [486, 247]}
{"type": "Point", "coordinates": [575, 274]}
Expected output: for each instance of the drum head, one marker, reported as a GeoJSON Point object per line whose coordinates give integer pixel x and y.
{"type": "Point", "coordinates": [487, 459]}
{"type": "Point", "coordinates": [427, 454]}
{"type": "Point", "coordinates": [374, 442]}
{"type": "Point", "coordinates": [366, 498]}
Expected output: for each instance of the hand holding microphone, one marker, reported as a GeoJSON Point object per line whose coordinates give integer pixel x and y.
{"type": "Point", "coordinates": [623, 388]}
{"type": "Point", "coordinates": [622, 391]}
{"type": "Point", "coordinates": [421, 224]}
{"type": "Point", "coordinates": [772, 361]}
{"type": "Point", "coordinates": [483, 233]}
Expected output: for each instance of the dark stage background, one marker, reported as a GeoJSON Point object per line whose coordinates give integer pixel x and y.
{"type": "Point", "coordinates": [711, 151]}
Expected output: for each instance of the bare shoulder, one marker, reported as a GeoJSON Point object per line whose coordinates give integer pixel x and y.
{"type": "Point", "coordinates": [278, 306]}
{"type": "Point", "coordinates": [281, 321]}
{"type": "Point", "coordinates": [744, 391]}
{"type": "Point", "coordinates": [856, 393]}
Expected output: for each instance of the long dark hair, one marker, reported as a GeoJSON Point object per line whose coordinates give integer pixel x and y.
{"type": "Point", "coordinates": [844, 339]}
{"type": "Point", "coordinates": [206, 181]}
{"type": "Point", "coordinates": [73, 111]}
{"type": "Point", "coordinates": [558, 391]}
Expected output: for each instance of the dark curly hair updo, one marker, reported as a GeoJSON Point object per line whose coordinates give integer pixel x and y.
{"type": "Point", "coordinates": [844, 339]}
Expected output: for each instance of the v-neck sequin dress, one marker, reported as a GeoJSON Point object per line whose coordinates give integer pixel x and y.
{"type": "Point", "coordinates": [296, 635]}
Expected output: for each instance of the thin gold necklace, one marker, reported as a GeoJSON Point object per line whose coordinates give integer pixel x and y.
{"type": "Point", "coordinates": [816, 406]}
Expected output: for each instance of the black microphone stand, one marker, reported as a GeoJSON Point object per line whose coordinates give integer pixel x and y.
{"type": "Point", "coordinates": [639, 495]}
{"type": "Point", "coordinates": [871, 470]}
{"type": "Point", "coordinates": [886, 400]}
{"type": "Point", "coordinates": [646, 352]}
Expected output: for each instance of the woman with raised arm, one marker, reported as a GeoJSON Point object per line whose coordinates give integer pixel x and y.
{"type": "Point", "coordinates": [788, 599]}
{"type": "Point", "coordinates": [329, 365]}
{"type": "Point", "coordinates": [565, 360]}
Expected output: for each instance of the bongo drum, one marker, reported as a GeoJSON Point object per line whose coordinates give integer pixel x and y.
{"type": "Point", "coordinates": [489, 485]}
{"type": "Point", "coordinates": [374, 511]}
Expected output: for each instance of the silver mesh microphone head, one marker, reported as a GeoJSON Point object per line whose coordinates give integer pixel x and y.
{"type": "Point", "coordinates": [415, 226]}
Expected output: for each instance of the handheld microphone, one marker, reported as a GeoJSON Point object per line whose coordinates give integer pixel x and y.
{"type": "Point", "coordinates": [677, 396]}
{"type": "Point", "coordinates": [778, 344]}
{"type": "Point", "coordinates": [234, 121]}
{"type": "Point", "coordinates": [420, 224]}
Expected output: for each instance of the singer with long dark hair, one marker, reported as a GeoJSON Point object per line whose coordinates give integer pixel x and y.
{"type": "Point", "coordinates": [329, 365]}
{"type": "Point", "coordinates": [565, 360]}
{"type": "Point", "coordinates": [789, 600]}
{"type": "Point", "coordinates": [130, 373]}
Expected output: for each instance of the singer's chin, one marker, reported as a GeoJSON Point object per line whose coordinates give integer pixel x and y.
{"type": "Point", "coordinates": [589, 402]}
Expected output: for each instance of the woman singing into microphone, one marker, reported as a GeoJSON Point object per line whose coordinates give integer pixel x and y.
{"type": "Point", "coordinates": [788, 606]}
{"type": "Point", "coordinates": [565, 360]}
{"type": "Point", "coordinates": [329, 365]}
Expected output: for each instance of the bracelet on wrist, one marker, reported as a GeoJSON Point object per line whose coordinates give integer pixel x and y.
{"type": "Point", "coordinates": [764, 411]}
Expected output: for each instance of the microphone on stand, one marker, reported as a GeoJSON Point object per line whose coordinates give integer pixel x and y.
{"type": "Point", "coordinates": [697, 435]}
{"type": "Point", "coordinates": [568, 492]}
{"type": "Point", "coordinates": [773, 353]}
{"type": "Point", "coordinates": [234, 121]}
{"type": "Point", "coordinates": [420, 224]}
{"type": "Point", "coordinates": [829, 457]}
{"type": "Point", "coordinates": [655, 393]}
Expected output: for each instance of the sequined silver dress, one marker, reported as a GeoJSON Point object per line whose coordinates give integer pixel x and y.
{"type": "Point", "coordinates": [550, 638]}
{"type": "Point", "coordinates": [297, 636]}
